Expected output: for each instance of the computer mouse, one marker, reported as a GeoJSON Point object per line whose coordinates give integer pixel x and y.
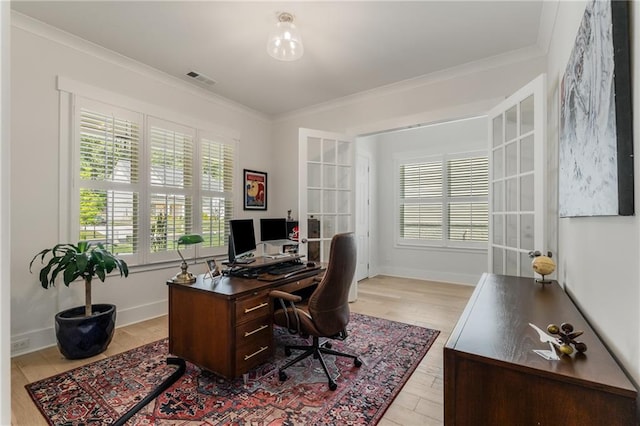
{"type": "Point", "coordinates": [311, 264]}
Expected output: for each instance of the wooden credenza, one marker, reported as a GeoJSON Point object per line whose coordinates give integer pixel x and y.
{"type": "Point", "coordinates": [493, 377]}
{"type": "Point", "coordinates": [226, 326]}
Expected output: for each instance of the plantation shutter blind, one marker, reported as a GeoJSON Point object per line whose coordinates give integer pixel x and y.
{"type": "Point", "coordinates": [109, 146]}
{"type": "Point", "coordinates": [137, 183]}
{"type": "Point", "coordinates": [468, 189]}
{"type": "Point", "coordinates": [216, 177]}
{"type": "Point", "coordinates": [421, 201]}
{"type": "Point", "coordinates": [171, 180]}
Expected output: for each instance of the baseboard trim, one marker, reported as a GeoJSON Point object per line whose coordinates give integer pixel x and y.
{"type": "Point", "coordinates": [421, 274]}
{"type": "Point", "coordinates": [46, 337]}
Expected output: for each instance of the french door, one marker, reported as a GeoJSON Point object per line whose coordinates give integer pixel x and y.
{"type": "Point", "coordinates": [326, 194]}
{"type": "Point", "coordinates": [517, 179]}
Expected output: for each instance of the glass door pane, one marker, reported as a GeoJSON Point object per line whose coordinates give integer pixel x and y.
{"type": "Point", "coordinates": [326, 191]}
{"type": "Point", "coordinates": [517, 205]}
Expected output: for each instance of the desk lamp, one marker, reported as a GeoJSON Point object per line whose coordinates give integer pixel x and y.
{"type": "Point", "coordinates": [185, 277]}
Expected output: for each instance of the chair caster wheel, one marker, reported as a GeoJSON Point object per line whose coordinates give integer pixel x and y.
{"type": "Point", "coordinates": [282, 376]}
{"type": "Point", "coordinates": [357, 362]}
{"type": "Point", "coordinates": [328, 345]}
{"type": "Point", "coordinates": [332, 385]}
{"type": "Point", "coordinates": [287, 351]}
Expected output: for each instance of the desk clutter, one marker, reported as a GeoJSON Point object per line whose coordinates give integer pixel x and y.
{"type": "Point", "coordinates": [270, 268]}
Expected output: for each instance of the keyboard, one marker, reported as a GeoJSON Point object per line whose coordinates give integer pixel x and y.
{"type": "Point", "coordinates": [244, 261]}
{"type": "Point", "coordinates": [285, 269]}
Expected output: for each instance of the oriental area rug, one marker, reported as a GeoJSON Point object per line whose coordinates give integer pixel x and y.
{"type": "Point", "coordinates": [103, 391]}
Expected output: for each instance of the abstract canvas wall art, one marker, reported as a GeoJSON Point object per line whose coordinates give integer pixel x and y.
{"type": "Point", "coordinates": [596, 145]}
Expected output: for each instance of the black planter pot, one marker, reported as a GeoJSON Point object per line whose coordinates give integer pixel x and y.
{"type": "Point", "coordinates": [81, 337]}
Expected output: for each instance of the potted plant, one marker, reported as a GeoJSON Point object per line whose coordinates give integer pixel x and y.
{"type": "Point", "coordinates": [82, 331]}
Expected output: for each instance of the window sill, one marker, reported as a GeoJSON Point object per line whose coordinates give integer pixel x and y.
{"type": "Point", "coordinates": [200, 264]}
{"type": "Point", "coordinates": [458, 249]}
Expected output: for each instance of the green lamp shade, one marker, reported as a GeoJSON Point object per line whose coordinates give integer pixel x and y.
{"type": "Point", "coordinates": [188, 239]}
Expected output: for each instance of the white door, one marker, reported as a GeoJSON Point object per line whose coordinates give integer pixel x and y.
{"type": "Point", "coordinates": [517, 179]}
{"type": "Point", "coordinates": [362, 216]}
{"type": "Point", "coordinates": [326, 192]}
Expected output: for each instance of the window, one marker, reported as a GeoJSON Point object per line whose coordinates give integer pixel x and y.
{"type": "Point", "coordinates": [443, 200]}
{"type": "Point", "coordinates": [216, 177]}
{"type": "Point", "coordinates": [139, 188]}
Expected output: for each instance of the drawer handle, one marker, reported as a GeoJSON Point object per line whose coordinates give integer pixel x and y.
{"type": "Point", "coordinates": [249, 333]}
{"type": "Point", "coordinates": [262, 305]}
{"type": "Point", "coordinates": [262, 349]}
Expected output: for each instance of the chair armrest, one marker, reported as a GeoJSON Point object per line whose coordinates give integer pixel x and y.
{"type": "Point", "coordinates": [277, 294]}
{"type": "Point", "coordinates": [293, 325]}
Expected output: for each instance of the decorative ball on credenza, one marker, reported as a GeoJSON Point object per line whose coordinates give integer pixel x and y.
{"type": "Point", "coordinates": [567, 337]}
{"type": "Point", "coordinates": [542, 265]}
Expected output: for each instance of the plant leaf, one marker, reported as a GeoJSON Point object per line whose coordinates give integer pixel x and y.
{"type": "Point", "coordinates": [70, 273]}
{"type": "Point", "coordinates": [41, 254]}
{"type": "Point", "coordinates": [101, 274]}
{"type": "Point", "coordinates": [81, 263]}
{"type": "Point", "coordinates": [83, 246]}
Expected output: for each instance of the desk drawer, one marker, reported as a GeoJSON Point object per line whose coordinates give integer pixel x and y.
{"type": "Point", "coordinates": [298, 285]}
{"type": "Point", "coordinates": [253, 307]}
{"type": "Point", "coordinates": [248, 356]}
{"type": "Point", "coordinates": [254, 332]}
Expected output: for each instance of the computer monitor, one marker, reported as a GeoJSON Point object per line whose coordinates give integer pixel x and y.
{"type": "Point", "coordinates": [273, 229]}
{"type": "Point", "coordinates": [242, 238]}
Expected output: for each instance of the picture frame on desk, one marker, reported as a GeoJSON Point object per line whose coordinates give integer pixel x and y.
{"type": "Point", "coordinates": [213, 270]}
{"type": "Point", "coordinates": [255, 190]}
{"type": "Point", "coordinates": [290, 248]}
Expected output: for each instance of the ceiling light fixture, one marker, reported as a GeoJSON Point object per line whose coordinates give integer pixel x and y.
{"type": "Point", "coordinates": [285, 43]}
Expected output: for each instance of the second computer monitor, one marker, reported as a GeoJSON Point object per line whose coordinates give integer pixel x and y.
{"type": "Point", "coordinates": [242, 238]}
{"type": "Point", "coordinates": [273, 229]}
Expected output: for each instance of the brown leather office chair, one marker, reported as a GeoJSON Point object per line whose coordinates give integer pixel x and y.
{"type": "Point", "coordinates": [326, 312]}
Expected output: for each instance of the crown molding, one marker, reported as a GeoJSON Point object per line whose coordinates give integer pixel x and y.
{"type": "Point", "coordinates": [49, 32]}
{"type": "Point", "coordinates": [484, 64]}
{"type": "Point", "coordinates": [548, 18]}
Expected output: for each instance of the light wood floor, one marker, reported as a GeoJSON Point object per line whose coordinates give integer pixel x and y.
{"type": "Point", "coordinates": [424, 303]}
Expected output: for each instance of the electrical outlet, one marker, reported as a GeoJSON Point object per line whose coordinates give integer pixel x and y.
{"type": "Point", "coordinates": [19, 345]}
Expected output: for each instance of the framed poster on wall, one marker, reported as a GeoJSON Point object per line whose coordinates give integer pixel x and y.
{"type": "Point", "coordinates": [255, 190]}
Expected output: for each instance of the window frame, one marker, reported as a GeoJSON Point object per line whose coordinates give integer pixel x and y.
{"type": "Point", "coordinates": [406, 158]}
{"type": "Point", "coordinates": [74, 96]}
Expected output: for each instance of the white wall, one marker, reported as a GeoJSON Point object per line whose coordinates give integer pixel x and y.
{"type": "Point", "coordinates": [39, 54]}
{"type": "Point", "coordinates": [599, 256]}
{"type": "Point", "coordinates": [463, 92]}
{"type": "Point", "coordinates": [5, 225]}
{"type": "Point", "coordinates": [437, 264]}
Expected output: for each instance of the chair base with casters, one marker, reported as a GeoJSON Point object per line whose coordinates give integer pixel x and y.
{"type": "Point", "coordinates": [316, 349]}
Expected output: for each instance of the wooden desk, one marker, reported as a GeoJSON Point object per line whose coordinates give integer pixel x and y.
{"type": "Point", "coordinates": [225, 325]}
{"type": "Point", "coordinates": [492, 377]}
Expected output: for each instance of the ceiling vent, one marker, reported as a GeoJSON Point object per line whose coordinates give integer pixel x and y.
{"type": "Point", "coordinates": [203, 79]}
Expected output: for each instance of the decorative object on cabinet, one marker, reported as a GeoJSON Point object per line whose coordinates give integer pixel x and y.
{"type": "Point", "coordinates": [567, 337]}
{"type": "Point", "coordinates": [543, 265]}
{"type": "Point", "coordinates": [596, 130]}
{"type": "Point", "coordinates": [185, 277]}
{"type": "Point", "coordinates": [82, 332]}
{"type": "Point", "coordinates": [544, 337]}
{"type": "Point", "coordinates": [255, 190]}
